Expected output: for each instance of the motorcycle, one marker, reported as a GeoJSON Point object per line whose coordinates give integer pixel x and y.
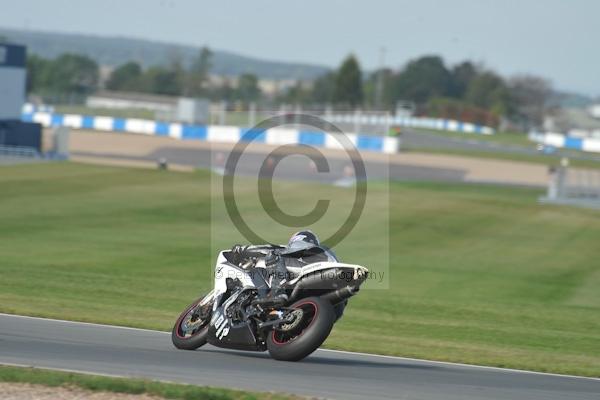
{"type": "Point", "coordinates": [318, 286]}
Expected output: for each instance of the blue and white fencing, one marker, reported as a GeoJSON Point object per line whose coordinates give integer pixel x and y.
{"type": "Point", "coordinates": [564, 141]}
{"type": "Point", "coordinates": [411, 122]}
{"type": "Point", "coordinates": [212, 133]}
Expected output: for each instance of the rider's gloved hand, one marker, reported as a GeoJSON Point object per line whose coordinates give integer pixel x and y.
{"type": "Point", "coordinates": [237, 254]}
{"type": "Point", "coordinates": [271, 260]}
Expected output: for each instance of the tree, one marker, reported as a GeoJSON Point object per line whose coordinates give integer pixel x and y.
{"type": "Point", "coordinates": [422, 79]}
{"type": "Point", "coordinates": [451, 108]}
{"type": "Point", "coordinates": [248, 89]}
{"type": "Point", "coordinates": [199, 73]}
{"type": "Point", "coordinates": [488, 90]}
{"type": "Point", "coordinates": [370, 88]}
{"type": "Point", "coordinates": [127, 77]}
{"type": "Point", "coordinates": [72, 73]}
{"type": "Point", "coordinates": [160, 80]}
{"type": "Point", "coordinates": [531, 95]}
{"type": "Point", "coordinates": [224, 92]}
{"type": "Point", "coordinates": [348, 83]}
{"type": "Point", "coordinates": [323, 88]}
{"type": "Point", "coordinates": [460, 77]}
{"type": "Point", "coordinates": [297, 94]}
{"type": "Point", "coordinates": [38, 69]}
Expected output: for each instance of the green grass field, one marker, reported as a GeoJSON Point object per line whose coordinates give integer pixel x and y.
{"type": "Point", "coordinates": [477, 274]}
{"type": "Point", "coordinates": [548, 160]}
{"type": "Point", "coordinates": [508, 138]}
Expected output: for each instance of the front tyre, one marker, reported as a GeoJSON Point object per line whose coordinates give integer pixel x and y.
{"type": "Point", "coordinates": [310, 324]}
{"type": "Point", "coordinates": [191, 329]}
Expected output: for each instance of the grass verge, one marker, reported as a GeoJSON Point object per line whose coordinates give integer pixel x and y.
{"type": "Point", "coordinates": [509, 138]}
{"type": "Point", "coordinates": [476, 274]}
{"type": "Point", "coordinates": [98, 383]}
{"type": "Point", "coordinates": [549, 160]}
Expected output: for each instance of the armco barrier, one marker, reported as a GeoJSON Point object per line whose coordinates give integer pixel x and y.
{"type": "Point", "coordinates": [212, 133]}
{"type": "Point", "coordinates": [564, 141]}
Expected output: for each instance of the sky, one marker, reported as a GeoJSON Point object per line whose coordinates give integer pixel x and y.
{"type": "Point", "coordinates": [556, 39]}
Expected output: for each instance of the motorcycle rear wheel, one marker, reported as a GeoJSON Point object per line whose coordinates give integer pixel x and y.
{"type": "Point", "coordinates": [302, 337]}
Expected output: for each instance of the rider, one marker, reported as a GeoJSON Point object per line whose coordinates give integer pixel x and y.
{"type": "Point", "coordinates": [277, 270]}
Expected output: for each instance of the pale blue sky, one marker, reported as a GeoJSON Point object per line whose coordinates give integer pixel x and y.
{"type": "Point", "coordinates": [558, 39]}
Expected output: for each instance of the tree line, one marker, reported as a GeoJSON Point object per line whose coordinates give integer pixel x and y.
{"type": "Point", "coordinates": [78, 75]}
{"type": "Point", "coordinates": [464, 91]}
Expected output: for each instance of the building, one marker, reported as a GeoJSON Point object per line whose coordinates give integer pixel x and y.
{"type": "Point", "coordinates": [274, 87]}
{"type": "Point", "coordinates": [124, 100]}
{"type": "Point", "coordinates": [166, 108]}
{"type": "Point", "coordinates": [577, 122]}
{"type": "Point", "coordinates": [270, 88]}
{"type": "Point", "coordinates": [594, 110]}
{"type": "Point", "coordinates": [13, 75]}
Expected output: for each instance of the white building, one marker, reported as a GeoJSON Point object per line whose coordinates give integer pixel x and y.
{"type": "Point", "coordinates": [168, 108]}
{"type": "Point", "coordinates": [12, 81]}
{"type": "Point", "coordinates": [123, 100]}
{"type": "Point", "coordinates": [594, 110]}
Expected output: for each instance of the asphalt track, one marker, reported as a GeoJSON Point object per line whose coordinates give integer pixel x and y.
{"type": "Point", "coordinates": [131, 352]}
{"type": "Point", "coordinates": [145, 151]}
{"type": "Point", "coordinates": [293, 167]}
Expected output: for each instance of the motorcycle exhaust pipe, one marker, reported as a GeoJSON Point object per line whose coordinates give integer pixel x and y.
{"type": "Point", "coordinates": [316, 281]}
{"type": "Point", "coordinates": [341, 294]}
{"type": "Point", "coordinates": [310, 281]}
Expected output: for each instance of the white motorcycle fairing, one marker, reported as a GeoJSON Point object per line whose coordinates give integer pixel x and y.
{"type": "Point", "coordinates": [252, 279]}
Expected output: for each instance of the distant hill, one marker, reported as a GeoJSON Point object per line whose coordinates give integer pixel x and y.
{"type": "Point", "coordinates": [114, 51]}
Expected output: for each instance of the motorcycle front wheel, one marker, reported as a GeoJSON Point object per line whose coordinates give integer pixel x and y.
{"type": "Point", "coordinates": [191, 329]}
{"type": "Point", "coordinates": [311, 321]}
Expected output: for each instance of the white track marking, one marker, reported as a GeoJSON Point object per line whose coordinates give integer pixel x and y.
{"type": "Point", "coordinates": [353, 353]}
{"type": "Point", "coordinates": [83, 323]}
{"type": "Point", "coordinates": [76, 371]}
{"type": "Point", "coordinates": [420, 360]}
{"type": "Point", "coordinates": [73, 371]}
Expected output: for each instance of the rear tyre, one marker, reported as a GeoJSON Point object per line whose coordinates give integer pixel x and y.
{"type": "Point", "coordinates": [339, 309]}
{"type": "Point", "coordinates": [311, 325]}
{"type": "Point", "coordinates": [191, 329]}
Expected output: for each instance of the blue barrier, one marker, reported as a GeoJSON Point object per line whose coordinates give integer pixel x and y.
{"type": "Point", "coordinates": [253, 135]}
{"type": "Point", "coordinates": [373, 143]}
{"type": "Point", "coordinates": [573, 143]}
{"type": "Point", "coordinates": [412, 122]}
{"type": "Point", "coordinates": [558, 140]}
{"type": "Point", "coordinates": [193, 132]}
{"type": "Point", "coordinates": [310, 138]}
{"type": "Point", "coordinates": [210, 133]}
